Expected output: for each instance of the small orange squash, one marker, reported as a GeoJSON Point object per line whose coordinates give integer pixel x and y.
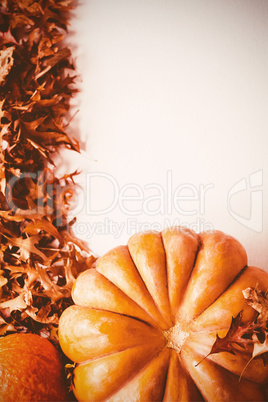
{"type": "Point", "coordinates": [30, 370]}
{"type": "Point", "coordinates": [150, 312]}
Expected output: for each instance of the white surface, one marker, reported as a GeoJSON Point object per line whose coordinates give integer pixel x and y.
{"type": "Point", "coordinates": [173, 104]}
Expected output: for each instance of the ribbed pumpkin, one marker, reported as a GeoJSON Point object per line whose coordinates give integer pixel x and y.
{"type": "Point", "coordinates": [150, 312]}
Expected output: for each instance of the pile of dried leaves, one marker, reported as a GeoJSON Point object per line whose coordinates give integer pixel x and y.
{"type": "Point", "coordinates": [40, 257]}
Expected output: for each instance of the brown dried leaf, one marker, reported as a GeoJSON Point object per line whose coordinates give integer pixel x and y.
{"type": "Point", "coordinates": [9, 216]}
{"type": "Point", "coordinates": [42, 225]}
{"type": "Point", "coordinates": [7, 38]}
{"type": "Point", "coordinates": [6, 62]}
{"type": "Point", "coordinates": [50, 289]}
{"type": "Point", "coordinates": [27, 246]}
{"type": "Point", "coordinates": [256, 299]}
{"type": "Point", "coordinates": [4, 326]}
{"type": "Point", "coordinates": [24, 4]}
{"type": "Point", "coordinates": [18, 20]}
{"type": "Point", "coordinates": [18, 303]}
{"type": "Point", "coordinates": [260, 347]}
{"type": "Point", "coordinates": [234, 336]}
{"type": "Point", "coordinates": [52, 61]}
{"type": "Point", "coordinates": [3, 280]}
{"type": "Point", "coordinates": [42, 315]}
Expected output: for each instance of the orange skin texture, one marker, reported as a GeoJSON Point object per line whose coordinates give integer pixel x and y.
{"type": "Point", "coordinates": [30, 370]}
{"type": "Point", "coordinates": [150, 312]}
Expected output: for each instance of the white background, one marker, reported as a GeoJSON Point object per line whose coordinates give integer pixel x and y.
{"type": "Point", "coordinates": [172, 91]}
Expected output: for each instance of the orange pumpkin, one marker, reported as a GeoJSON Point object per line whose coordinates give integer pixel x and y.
{"type": "Point", "coordinates": [150, 312]}
{"type": "Point", "coordinates": [30, 370]}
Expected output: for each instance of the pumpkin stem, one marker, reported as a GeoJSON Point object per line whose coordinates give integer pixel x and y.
{"type": "Point", "coordinates": [176, 337]}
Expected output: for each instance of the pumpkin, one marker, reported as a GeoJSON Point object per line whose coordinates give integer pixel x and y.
{"type": "Point", "coordinates": [146, 316]}
{"type": "Point", "coordinates": [30, 369]}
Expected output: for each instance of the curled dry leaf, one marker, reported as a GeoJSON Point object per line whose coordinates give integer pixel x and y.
{"type": "Point", "coordinates": [6, 62]}
{"type": "Point", "coordinates": [252, 333]}
{"type": "Point", "coordinates": [259, 302]}
{"type": "Point", "coordinates": [40, 256]}
{"type": "Point", "coordinates": [260, 347]}
{"type": "Point", "coordinates": [5, 327]}
{"type": "Point", "coordinates": [17, 303]}
{"type": "Point", "coordinates": [3, 280]}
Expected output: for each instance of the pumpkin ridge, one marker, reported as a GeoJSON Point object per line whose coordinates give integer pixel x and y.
{"type": "Point", "coordinates": [167, 281]}
{"type": "Point", "coordinates": [212, 317]}
{"type": "Point", "coordinates": [220, 260]}
{"type": "Point", "coordinates": [233, 385]}
{"type": "Point", "coordinates": [220, 295]}
{"type": "Point", "coordinates": [226, 289]}
{"type": "Point", "coordinates": [130, 361]}
{"type": "Point", "coordinates": [251, 372]}
{"type": "Point", "coordinates": [181, 246]}
{"type": "Point", "coordinates": [83, 363]}
{"type": "Point", "coordinates": [149, 257]}
{"type": "Point", "coordinates": [179, 384]}
{"type": "Point", "coordinates": [136, 374]}
{"type": "Point", "coordinates": [151, 297]}
{"type": "Point", "coordinates": [149, 293]}
{"type": "Point", "coordinates": [91, 302]}
{"type": "Point", "coordinates": [93, 333]}
{"type": "Point", "coordinates": [165, 385]}
{"type": "Point", "coordinates": [156, 314]}
{"type": "Point", "coordinates": [126, 315]}
{"type": "Point", "coordinates": [256, 372]}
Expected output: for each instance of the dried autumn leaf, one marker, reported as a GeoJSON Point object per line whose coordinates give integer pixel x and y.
{"type": "Point", "coordinates": [6, 62]}
{"type": "Point", "coordinates": [41, 136]}
{"type": "Point", "coordinates": [44, 225]}
{"type": "Point", "coordinates": [27, 246]}
{"type": "Point", "coordinates": [6, 37]}
{"type": "Point", "coordinates": [234, 336]}
{"type": "Point", "coordinates": [18, 20]}
{"type": "Point", "coordinates": [52, 61]}
{"type": "Point", "coordinates": [3, 113]}
{"type": "Point", "coordinates": [260, 348]}
{"type": "Point", "coordinates": [9, 216]}
{"type": "Point", "coordinates": [23, 4]}
{"type": "Point", "coordinates": [259, 302]}
{"type": "Point", "coordinates": [4, 326]}
{"type": "Point", "coordinates": [50, 289]}
{"type": "Point", "coordinates": [42, 315]}
{"type": "Point", "coordinates": [3, 279]}
{"type": "Point", "coordinates": [18, 303]}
